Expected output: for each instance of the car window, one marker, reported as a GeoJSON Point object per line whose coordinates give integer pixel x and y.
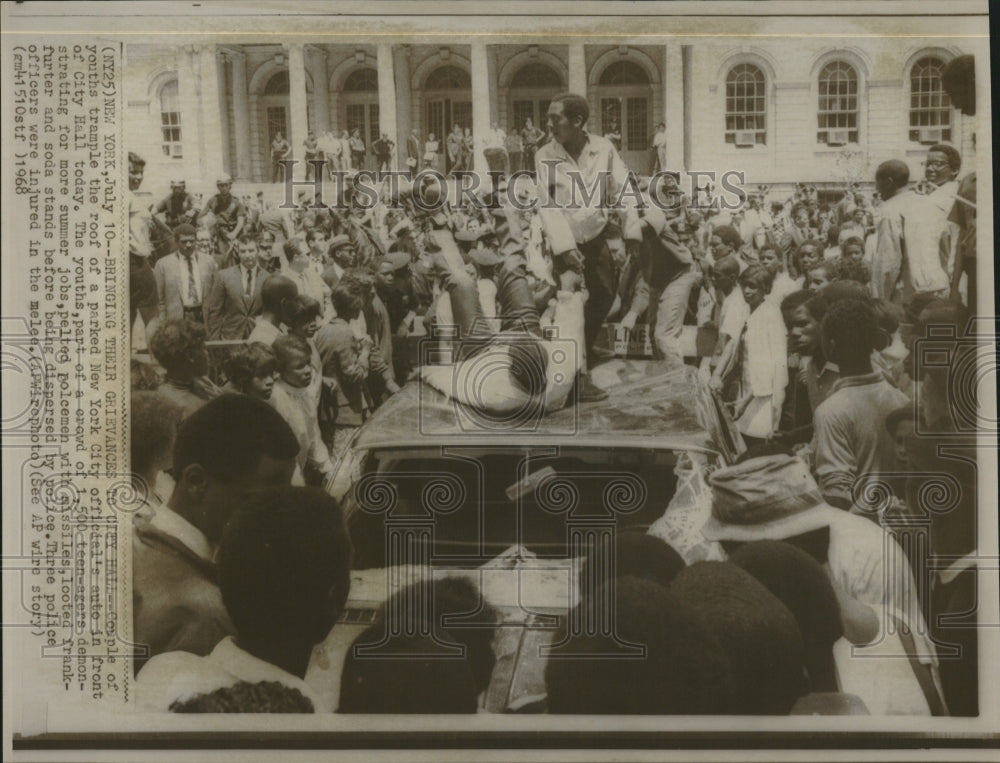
{"type": "Point", "coordinates": [470, 504]}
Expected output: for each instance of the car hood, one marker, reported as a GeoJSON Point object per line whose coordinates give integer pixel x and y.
{"type": "Point", "coordinates": [650, 404]}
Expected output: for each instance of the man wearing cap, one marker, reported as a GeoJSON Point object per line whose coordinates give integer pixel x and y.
{"type": "Point", "coordinates": [774, 497]}
{"type": "Point", "coordinates": [229, 214]}
{"type": "Point", "coordinates": [234, 297]}
{"type": "Point", "coordinates": [394, 286]}
{"type": "Point", "coordinates": [340, 257]}
{"type": "Point", "coordinates": [574, 152]}
{"type": "Point", "coordinates": [178, 207]}
{"type": "Point", "coordinates": [183, 279]}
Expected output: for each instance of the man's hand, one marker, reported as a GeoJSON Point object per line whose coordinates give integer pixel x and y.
{"type": "Point", "coordinates": [391, 387]}
{"type": "Point", "coordinates": [573, 260]}
{"type": "Point", "coordinates": [715, 384]}
{"type": "Point", "coordinates": [570, 280]}
{"type": "Point", "coordinates": [629, 320]}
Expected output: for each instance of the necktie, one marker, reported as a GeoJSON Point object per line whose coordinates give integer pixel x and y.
{"type": "Point", "coordinates": [249, 292]}
{"type": "Point", "coordinates": [192, 285]}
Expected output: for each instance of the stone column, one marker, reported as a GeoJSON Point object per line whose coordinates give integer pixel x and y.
{"type": "Point", "coordinates": [321, 91]}
{"type": "Point", "coordinates": [480, 103]}
{"type": "Point", "coordinates": [577, 69]}
{"type": "Point", "coordinates": [687, 61]}
{"type": "Point", "coordinates": [225, 123]}
{"type": "Point", "coordinates": [491, 68]}
{"type": "Point", "coordinates": [212, 159]}
{"type": "Point", "coordinates": [401, 60]}
{"type": "Point", "coordinates": [673, 105]}
{"type": "Point", "coordinates": [297, 103]}
{"type": "Point", "coordinates": [241, 117]}
{"type": "Point", "coordinates": [386, 94]}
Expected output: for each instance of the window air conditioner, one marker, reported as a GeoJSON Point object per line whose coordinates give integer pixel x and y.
{"type": "Point", "coordinates": [746, 138]}
{"type": "Point", "coordinates": [930, 134]}
{"type": "Point", "coordinates": [836, 137]}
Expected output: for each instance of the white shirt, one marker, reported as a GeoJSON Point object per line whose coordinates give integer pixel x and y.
{"type": "Point", "coordinates": [184, 279]}
{"type": "Point", "coordinates": [252, 272]}
{"type": "Point", "coordinates": [733, 314]}
{"type": "Point", "coordinates": [178, 676]}
{"type": "Point", "coordinates": [473, 382]}
{"type": "Point", "coordinates": [561, 199]}
{"type": "Point", "coordinates": [783, 285]}
{"type": "Point", "coordinates": [169, 522]}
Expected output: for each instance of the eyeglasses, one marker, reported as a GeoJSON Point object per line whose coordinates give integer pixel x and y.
{"type": "Point", "coordinates": [935, 163]}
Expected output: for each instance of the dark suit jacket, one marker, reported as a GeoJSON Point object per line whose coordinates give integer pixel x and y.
{"type": "Point", "coordinates": [176, 601]}
{"type": "Point", "coordinates": [228, 312]}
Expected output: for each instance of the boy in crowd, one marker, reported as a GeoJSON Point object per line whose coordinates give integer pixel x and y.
{"type": "Point", "coordinates": [296, 398]}
{"type": "Point", "coordinates": [274, 293]}
{"type": "Point", "coordinates": [223, 451]}
{"type": "Point", "coordinates": [284, 573]}
{"type": "Point", "coordinates": [850, 446]}
{"type": "Point", "coordinates": [179, 346]}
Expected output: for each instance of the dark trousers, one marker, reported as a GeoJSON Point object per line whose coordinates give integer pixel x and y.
{"type": "Point", "coordinates": [599, 277]}
{"type": "Point", "coordinates": [953, 623]}
{"type": "Point", "coordinates": [528, 157]}
{"type": "Point", "coordinates": [518, 313]}
{"type": "Point", "coordinates": [142, 290]}
{"type": "Point", "coordinates": [515, 162]}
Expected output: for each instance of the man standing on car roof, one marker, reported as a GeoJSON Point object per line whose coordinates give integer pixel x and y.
{"type": "Point", "coordinates": [572, 157]}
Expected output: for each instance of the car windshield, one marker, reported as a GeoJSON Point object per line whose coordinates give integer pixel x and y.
{"type": "Point", "coordinates": [475, 502]}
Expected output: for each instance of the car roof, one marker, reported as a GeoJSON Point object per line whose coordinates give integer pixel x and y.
{"type": "Point", "coordinates": [650, 404]}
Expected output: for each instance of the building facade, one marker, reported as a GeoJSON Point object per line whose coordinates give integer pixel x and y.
{"type": "Point", "coordinates": [781, 110]}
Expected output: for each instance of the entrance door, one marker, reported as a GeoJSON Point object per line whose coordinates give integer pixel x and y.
{"type": "Point", "coordinates": [629, 117]}
{"type": "Point", "coordinates": [624, 93]}
{"type": "Point", "coordinates": [364, 116]}
{"type": "Point", "coordinates": [442, 116]}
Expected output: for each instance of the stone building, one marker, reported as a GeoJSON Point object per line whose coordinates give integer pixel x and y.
{"type": "Point", "coordinates": [782, 110]}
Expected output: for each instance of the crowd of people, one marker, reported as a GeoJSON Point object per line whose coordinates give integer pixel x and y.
{"type": "Point", "coordinates": [449, 154]}
{"type": "Point", "coordinates": [819, 310]}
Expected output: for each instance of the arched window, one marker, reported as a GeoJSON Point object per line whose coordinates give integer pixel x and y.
{"type": "Point", "coordinates": [361, 81]}
{"type": "Point", "coordinates": [930, 106]}
{"type": "Point", "coordinates": [170, 120]}
{"type": "Point", "coordinates": [448, 78]}
{"type": "Point", "coordinates": [624, 93]}
{"type": "Point", "coordinates": [536, 75]}
{"type": "Point", "coordinates": [278, 84]}
{"type": "Point", "coordinates": [624, 73]}
{"type": "Point", "coordinates": [361, 103]}
{"type": "Point", "coordinates": [531, 87]}
{"type": "Point", "coordinates": [838, 104]}
{"type": "Point", "coordinates": [746, 106]}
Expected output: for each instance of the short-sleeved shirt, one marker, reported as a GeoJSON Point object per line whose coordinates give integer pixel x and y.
{"type": "Point", "coordinates": [226, 211]}
{"type": "Point", "coordinates": [851, 439]}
